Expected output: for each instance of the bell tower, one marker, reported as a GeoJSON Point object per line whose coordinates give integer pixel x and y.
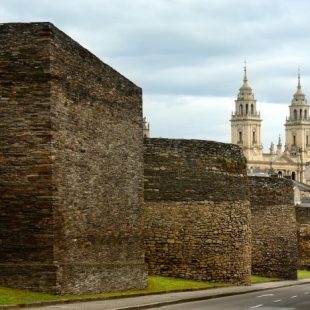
{"type": "Point", "coordinates": [297, 129]}
{"type": "Point", "coordinates": [246, 122]}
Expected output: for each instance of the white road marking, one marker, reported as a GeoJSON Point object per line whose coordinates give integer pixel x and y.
{"type": "Point", "coordinates": [277, 300]}
{"type": "Point", "coordinates": [257, 306]}
{"type": "Point", "coordinates": [60, 307]}
{"type": "Point", "coordinates": [265, 295]}
{"type": "Point", "coordinates": [294, 296]}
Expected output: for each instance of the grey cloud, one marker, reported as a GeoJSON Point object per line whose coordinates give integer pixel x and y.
{"type": "Point", "coordinates": [187, 47]}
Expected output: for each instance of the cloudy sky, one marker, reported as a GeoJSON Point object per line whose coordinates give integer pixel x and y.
{"type": "Point", "coordinates": [188, 55]}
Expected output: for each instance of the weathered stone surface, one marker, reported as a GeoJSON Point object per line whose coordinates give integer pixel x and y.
{"type": "Point", "coordinates": [303, 236]}
{"type": "Point", "coordinates": [197, 216]}
{"type": "Point", "coordinates": [193, 170]}
{"type": "Point", "coordinates": [71, 167]}
{"type": "Point", "coordinates": [274, 238]}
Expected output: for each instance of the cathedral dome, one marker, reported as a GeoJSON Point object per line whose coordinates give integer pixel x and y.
{"type": "Point", "coordinates": [245, 91]}
{"type": "Point", "coordinates": [299, 98]}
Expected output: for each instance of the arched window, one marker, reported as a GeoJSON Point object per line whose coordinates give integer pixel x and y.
{"type": "Point", "coordinates": [252, 109]}
{"type": "Point", "coordinates": [246, 109]}
{"type": "Point", "coordinates": [295, 114]}
{"type": "Point", "coordinates": [240, 137]}
{"type": "Point", "coordinates": [294, 140]}
{"type": "Point", "coordinates": [300, 114]}
{"type": "Point", "coordinates": [254, 137]}
{"type": "Point", "coordinates": [280, 174]}
{"type": "Point", "coordinates": [305, 114]}
{"type": "Point", "coordinates": [307, 140]}
{"type": "Point", "coordinates": [241, 109]}
{"type": "Point", "coordinates": [293, 176]}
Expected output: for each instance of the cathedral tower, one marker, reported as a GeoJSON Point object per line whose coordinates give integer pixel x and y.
{"type": "Point", "coordinates": [297, 128]}
{"type": "Point", "coordinates": [246, 122]}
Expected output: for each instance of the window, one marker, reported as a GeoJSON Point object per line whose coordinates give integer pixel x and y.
{"type": "Point", "coordinates": [241, 109]}
{"type": "Point", "coordinates": [246, 109]}
{"type": "Point", "coordinates": [240, 137]}
{"type": "Point", "coordinates": [305, 114]}
{"type": "Point", "coordinates": [252, 109]}
{"type": "Point", "coordinates": [293, 176]}
{"type": "Point", "coordinates": [254, 137]}
{"type": "Point", "coordinates": [295, 114]}
{"type": "Point", "coordinates": [307, 140]}
{"type": "Point", "coordinates": [300, 114]}
{"type": "Point", "coordinates": [294, 140]}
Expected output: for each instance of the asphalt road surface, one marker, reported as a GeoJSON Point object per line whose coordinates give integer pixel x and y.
{"type": "Point", "coordinates": [288, 298]}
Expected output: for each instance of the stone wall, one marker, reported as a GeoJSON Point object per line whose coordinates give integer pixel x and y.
{"type": "Point", "coordinates": [303, 235]}
{"type": "Point", "coordinates": [274, 239]}
{"type": "Point", "coordinates": [197, 214]}
{"type": "Point", "coordinates": [71, 167]}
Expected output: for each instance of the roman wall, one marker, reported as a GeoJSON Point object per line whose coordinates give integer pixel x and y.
{"type": "Point", "coordinates": [197, 213]}
{"type": "Point", "coordinates": [274, 237]}
{"type": "Point", "coordinates": [71, 184]}
{"type": "Point", "coordinates": [303, 235]}
{"type": "Point", "coordinates": [71, 167]}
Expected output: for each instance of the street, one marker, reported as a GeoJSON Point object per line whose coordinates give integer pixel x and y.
{"type": "Point", "coordinates": [294, 297]}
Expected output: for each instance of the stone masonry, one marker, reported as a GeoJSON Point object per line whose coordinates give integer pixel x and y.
{"type": "Point", "coordinates": [274, 238]}
{"type": "Point", "coordinates": [197, 213]}
{"type": "Point", "coordinates": [71, 167]}
{"type": "Point", "coordinates": [303, 235]}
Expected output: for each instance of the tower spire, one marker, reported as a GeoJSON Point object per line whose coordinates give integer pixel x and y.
{"type": "Point", "coordinates": [245, 78]}
{"type": "Point", "coordinates": [299, 99]}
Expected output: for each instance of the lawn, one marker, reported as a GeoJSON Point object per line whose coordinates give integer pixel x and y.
{"type": "Point", "coordinates": [303, 274]}
{"type": "Point", "coordinates": [10, 296]}
{"type": "Point", "coordinates": [155, 284]}
{"type": "Point", "coordinates": [259, 279]}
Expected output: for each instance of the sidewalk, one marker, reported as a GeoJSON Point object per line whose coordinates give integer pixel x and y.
{"type": "Point", "coordinates": [150, 301]}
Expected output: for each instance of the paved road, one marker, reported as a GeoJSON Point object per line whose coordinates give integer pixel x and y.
{"type": "Point", "coordinates": [288, 298]}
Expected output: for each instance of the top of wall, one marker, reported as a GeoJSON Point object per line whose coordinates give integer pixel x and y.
{"type": "Point", "coordinates": [185, 170]}
{"type": "Point", "coordinates": [271, 191]}
{"type": "Point", "coordinates": [302, 214]}
{"type": "Point", "coordinates": [212, 148]}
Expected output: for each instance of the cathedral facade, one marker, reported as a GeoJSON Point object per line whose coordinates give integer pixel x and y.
{"type": "Point", "coordinates": [290, 161]}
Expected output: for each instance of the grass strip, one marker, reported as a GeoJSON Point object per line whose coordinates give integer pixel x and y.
{"type": "Point", "coordinates": [9, 296]}
{"type": "Point", "coordinates": [303, 274]}
{"type": "Point", "coordinates": [259, 279]}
